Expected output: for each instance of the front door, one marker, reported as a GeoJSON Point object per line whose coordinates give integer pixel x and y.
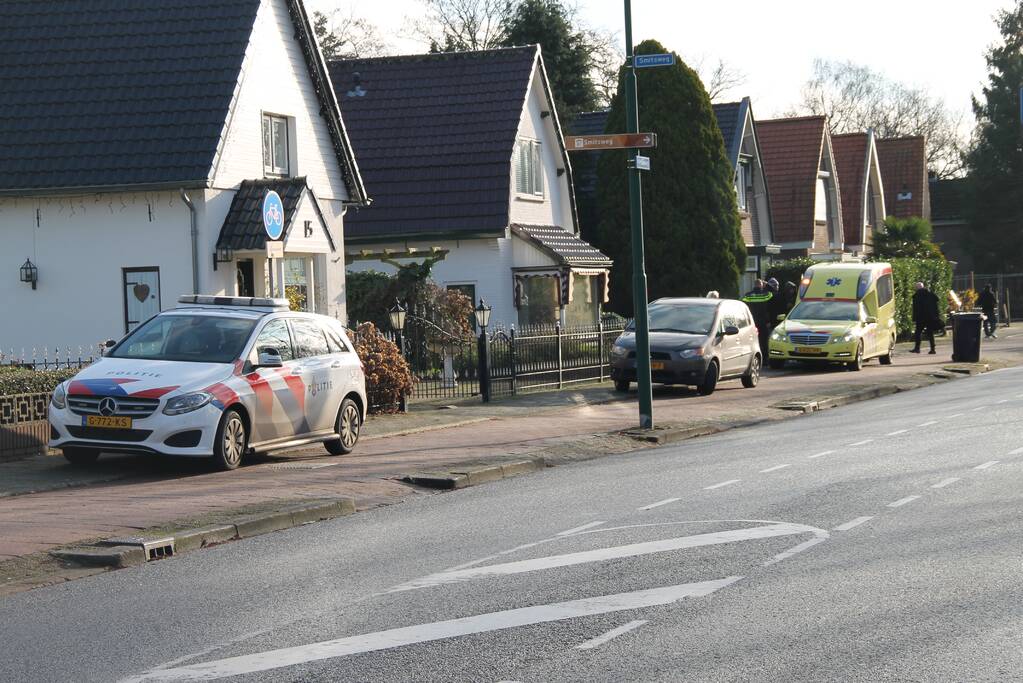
{"type": "Point", "coordinates": [141, 289]}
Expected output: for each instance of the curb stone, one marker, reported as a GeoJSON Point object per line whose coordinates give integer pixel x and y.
{"type": "Point", "coordinates": [185, 540]}
{"type": "Point", "coordinates": [459, 477]}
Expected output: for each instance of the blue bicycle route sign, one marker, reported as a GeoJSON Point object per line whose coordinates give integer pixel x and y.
{"type": "Point", "coordinates": [273, 215]}
{"type": "Point", "coordinates": [647, 61]}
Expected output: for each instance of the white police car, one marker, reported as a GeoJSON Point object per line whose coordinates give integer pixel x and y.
{"type": "Point", "coordinates": [217, 377]}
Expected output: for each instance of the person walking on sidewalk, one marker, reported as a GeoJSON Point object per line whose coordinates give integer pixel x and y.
{"type": "Point", "coordinates": [925, 315]}
{"type": "Point", "coordinates": [988, 302]}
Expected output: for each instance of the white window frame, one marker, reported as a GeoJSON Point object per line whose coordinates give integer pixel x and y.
{"type": "Point", "coordinates": [272, 169]}
{"type": "Point", "coordinates": [528, 169]}
{"type": "Point", "coordinates": [741, 185]}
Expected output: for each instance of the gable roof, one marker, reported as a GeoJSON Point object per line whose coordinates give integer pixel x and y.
{"type": "Point", "coordinates": [243, 227]}
{"type": "Point", "coordinates": [851, 152]}
{"type": "Point", "coordinates": [947, 197]}
{"type": "Point", "coordinates": [562, 245]}
{"type": "Point", "coordinates": [127, 94]}
{"type": "Point", "coordinates": [790, 150]}
{"type": "Point", "coordinates": [904, 171]}
{"type": "Point", "coordinates": [434, 134]}
{"type": "Point", "coordinates": [731, 117]}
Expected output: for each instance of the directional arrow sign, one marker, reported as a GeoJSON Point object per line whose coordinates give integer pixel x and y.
{"type": "Point", "coordinates": [580, 143]}
{"type": "Point", "coordinates": [647, 61]}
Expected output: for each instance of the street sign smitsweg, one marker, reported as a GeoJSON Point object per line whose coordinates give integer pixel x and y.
{"type": "Point", "coordinates": [582, 143]}
{"type": "Point", "coordinates": [647, 61]}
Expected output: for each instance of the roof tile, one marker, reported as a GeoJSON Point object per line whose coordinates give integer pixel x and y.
{"type": "Point", "coordinates": [790, 150]}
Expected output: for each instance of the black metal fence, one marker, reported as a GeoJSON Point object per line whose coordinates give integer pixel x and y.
{"type": "Point", "coordinates": [445, 365]}
{"type": "Point", "coordinates": [1008, 286]}
{"type": "Point", "coordinates": [550, 357]}
{"type": "Point", "coordinates": [521, 359]}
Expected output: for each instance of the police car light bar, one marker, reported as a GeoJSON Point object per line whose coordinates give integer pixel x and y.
{"type": "Point", "coordinates": [252, 301]}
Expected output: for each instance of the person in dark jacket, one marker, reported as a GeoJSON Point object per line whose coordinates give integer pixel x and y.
{"type": "Point", "coordinates": [777, 306]}
{"type": "Point", "coordinates": [926, 316]}
{"type": "Point", "coordinates": [759, 301]}
{"type": "Point", "coordinates": [988, 302]}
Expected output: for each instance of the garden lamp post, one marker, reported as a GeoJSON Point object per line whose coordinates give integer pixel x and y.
{"type": "Point", "coordinates": [396, 315]}
{"type": "Point", "coordinates": [482, 313]}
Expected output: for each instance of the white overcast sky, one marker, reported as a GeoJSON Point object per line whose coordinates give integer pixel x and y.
{"type": "Point", "coordinates": [936, 44]}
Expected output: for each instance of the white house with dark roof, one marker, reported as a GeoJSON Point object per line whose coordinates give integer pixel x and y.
{"type": "Point", "coordinates": [466, 160]}
{"type": "Point", "coordinates": [134, 169]}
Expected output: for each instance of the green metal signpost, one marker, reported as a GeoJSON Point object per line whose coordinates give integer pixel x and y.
{"type": "Point", "coordinates": [639, 295]}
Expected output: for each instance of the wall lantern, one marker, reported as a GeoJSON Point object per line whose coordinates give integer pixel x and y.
{"type": "Point", "coordinates": [222, 255]}
{"type": "Point", "coordinates": [397, 314]}
{"type": "Point", "coordinates": [482, 314]}
{"type": "Point", "coordinates": [29, 273]}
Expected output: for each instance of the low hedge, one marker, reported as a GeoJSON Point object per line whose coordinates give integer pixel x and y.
{"type": "Point", "coordinates": [24, 381]}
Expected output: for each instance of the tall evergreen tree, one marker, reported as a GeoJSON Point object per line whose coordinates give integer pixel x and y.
{"type": "Point", "coordinates": [691, 221]}
{"type": "Point", "coordinates": [994, 204]}
{"type": "Point", "coordinates": [567, 52]}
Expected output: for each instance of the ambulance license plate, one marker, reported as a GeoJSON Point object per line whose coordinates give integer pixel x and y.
{"type": "Point", "coordinates": [809, 351]}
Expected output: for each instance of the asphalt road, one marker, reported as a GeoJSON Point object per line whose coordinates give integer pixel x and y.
{"type": "Point", "coordinates": [881, 541]}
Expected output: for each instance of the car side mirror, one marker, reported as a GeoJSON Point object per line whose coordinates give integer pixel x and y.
{"type": "Point", "coordinates": [106, 346]}
{"type": "Point", "coordinates": [269, 357]}
{"type": "Point", "coordinates": [781, 316]}
{"type": "Point", "coordinates": [731, 330]}
{"type": "Point", "coordinates": [871, 320]}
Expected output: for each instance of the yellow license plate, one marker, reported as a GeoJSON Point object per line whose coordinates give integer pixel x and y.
{"type": "Point", "coordinates": [107, 422]}
{"type": "Point", "coordinates": [656, 365]}
{"type": "Point", "coordinates": [810, 350]}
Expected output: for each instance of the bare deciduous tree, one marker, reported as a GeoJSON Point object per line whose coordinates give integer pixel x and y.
{"type": "Point", "coordinates": [722, 79]}
{"type": "Point", "coordinates": [346, 36]}
{"type": "Point", "coordinates": [459, 25]}
{"type": "Point", "coordinates": [606, 58]}
{"type": "Point", "coordinates": [856, 98]}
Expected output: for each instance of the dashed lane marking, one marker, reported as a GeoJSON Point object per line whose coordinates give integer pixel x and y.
{"type": "Point", "coordinates": [928, 423]}
{"type": "Point", "coordinates": [584, 527]}
{"type": "Point", "coordinates": [955, 415]}
{"type": "Point", "coordinates": [795, 550]}
{"type": "Point", "coordinates": [425, 633]}
{"type": "Point", "coordinates": [861, 443]}
{"type": "Point", "coordinates": [984, 466]}
{"type": "Point", "coordinates": [819, 455]}
{"type": "Point", "coordinates": [1016, 452]}
{"type": "Point", "coordinates": [945, 482]}
{"type": "Point", "coordinates": [853, 523]}
{"type": "Point", "coordinates": [775, 468]}
{"type": "Point", "coordinates": [659, 503]}
{"type": "Point", "coordinates": [722, 484]}
{"type": "Point", "coordinates": [1004, 400]}
{"type": "Point", "coordinates": [973, 410]}
{"type": "Point", "coordinates": [897, 432]}
{"type": "Point", "coordinates": [902, 501]}
{"type": "Point", "coordinates": [611, 635]}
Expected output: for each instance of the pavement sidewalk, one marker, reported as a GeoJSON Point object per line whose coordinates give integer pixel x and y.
{"type": "Point", "coordinates": [126, 494]}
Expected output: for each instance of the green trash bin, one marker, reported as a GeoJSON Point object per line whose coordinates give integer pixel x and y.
{"type": "Point", "coordinates": [966, 332]}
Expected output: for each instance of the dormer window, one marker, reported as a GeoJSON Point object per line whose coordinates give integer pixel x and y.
{"type": "Point", "coordinates": [528, 168]}
{"type": "Point", "coordinates": [276, 146]}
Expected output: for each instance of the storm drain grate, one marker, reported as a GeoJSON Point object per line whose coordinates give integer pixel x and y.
{"type": "Point", "coordinates": [155, 548]}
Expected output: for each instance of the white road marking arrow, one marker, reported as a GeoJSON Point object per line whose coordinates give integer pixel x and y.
{"type": "Point", "coordinates": [602, 554]}
{"type": "Point", "coordinates": [440, 630]}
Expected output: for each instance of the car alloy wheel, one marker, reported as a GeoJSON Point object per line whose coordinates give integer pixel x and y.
{"type": "Point", "coordinates": [232, 441]}
{"type": "Point", "coordinates": [752, 376]}
{"type": "Point", "coordinates": [349, 423]}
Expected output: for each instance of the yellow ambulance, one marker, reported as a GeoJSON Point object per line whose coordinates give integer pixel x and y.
{"type": "Point", "coordinates": [844, 313]}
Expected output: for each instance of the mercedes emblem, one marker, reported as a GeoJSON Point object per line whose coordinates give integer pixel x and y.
{"type": "Point", "coordinates": [107, 407]}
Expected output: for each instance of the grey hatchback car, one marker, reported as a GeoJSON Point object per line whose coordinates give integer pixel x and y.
{"type": "Point", "coordinates": [696, 342]}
